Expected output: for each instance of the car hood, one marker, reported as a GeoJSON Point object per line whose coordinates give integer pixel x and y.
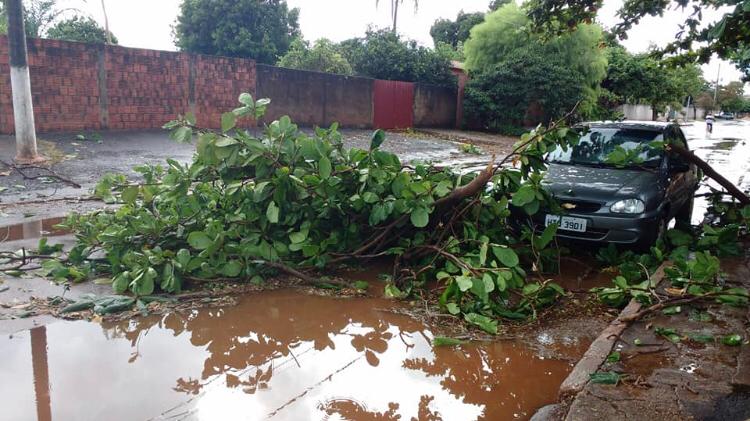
{"type": "Point", "coordinates": [599, 184]}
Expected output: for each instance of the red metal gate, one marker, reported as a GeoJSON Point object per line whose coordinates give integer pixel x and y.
{"type": "Point", "coordinates": [393, 106]}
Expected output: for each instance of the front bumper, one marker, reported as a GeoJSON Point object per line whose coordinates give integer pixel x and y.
{"type": "Point", "coordinates": [609, 228]}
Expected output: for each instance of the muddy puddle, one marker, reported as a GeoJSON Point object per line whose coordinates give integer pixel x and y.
{"type": "Point", "coordinates": [277, 355]}
{"type": "Point", "coordinates": [32, 229]}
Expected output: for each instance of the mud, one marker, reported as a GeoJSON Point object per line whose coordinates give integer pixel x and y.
{"type": "Point", "coordinates": [276, 355]}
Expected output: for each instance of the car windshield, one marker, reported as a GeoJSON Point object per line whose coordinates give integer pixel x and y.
{"type": "Point", "coordinates": [602, 146]}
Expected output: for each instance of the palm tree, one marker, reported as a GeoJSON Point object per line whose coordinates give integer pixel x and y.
{"type": "Point", "coordinates": [394, 10]}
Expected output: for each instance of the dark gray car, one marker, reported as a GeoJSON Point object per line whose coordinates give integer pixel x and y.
{"type": "Point", "coordinates": [628, 205]}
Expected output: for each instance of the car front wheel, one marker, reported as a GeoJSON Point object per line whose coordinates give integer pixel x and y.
{"type": "Point", "coordinates": [685, 215]}
{"type": "Point", "coordinates": [650, 238]}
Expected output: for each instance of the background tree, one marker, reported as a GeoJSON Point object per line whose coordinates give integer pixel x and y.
{"type": "Point", "coordinates": [730, 97]}
{"type": "Point", "coordinates": [496, 4]}
{"type": "Point", "coordinates": [81, 29]}
{"type": "Point", "coordinates": [383, 54]}
{"type": "Point", "coordinates": [39, 15]}
{"type": "Point", "coordinates": [394, 11]}
{"type": "Point", "coordinates": [729, 37]}
{"type": "Point", "coordinates": [324, 56]}
{"type": "Point", "coordinates": [454, 32]}
{"type": "Point", "coordinates": [527, 84]}
{"type": "Point", "coordinates": [258, 29]}
{"type": "Point", "coordinates": [641, 78]}
{"type": "Point", "coordinates": [503, 34]}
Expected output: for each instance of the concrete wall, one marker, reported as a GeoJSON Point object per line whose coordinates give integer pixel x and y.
{"type": "Point", "coordinates": [78, 86]}
{"type": "Point", "coordinates": [636, 112]}
{"type": "Point", "coordinates": [434, 106]}
{"type": "Point", "coordinates": [315, 99]}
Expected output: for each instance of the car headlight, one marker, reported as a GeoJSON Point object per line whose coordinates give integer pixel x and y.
{"type": "Point", "coordinates": [628, 206]}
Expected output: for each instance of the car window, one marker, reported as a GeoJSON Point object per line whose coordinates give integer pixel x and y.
{"type": "Point", "coordinates": [604, 146]}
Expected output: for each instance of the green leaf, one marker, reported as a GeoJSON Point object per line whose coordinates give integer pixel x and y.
{"type": "Point", "coordinates": [420, 217]}
{"type": "Point", "coordinates": [608, 377]}
{"type": "Point", "coordinates": [391, 291]}
{"type": "Point", "coordinates": [483, 322]}
{"type": "Point", "coordinates": [525, 194]}
{"type": "Point", "coordinates": [464, 283]}
{"type": "Point", "coordinates": [225, 141]}
{"type": "Point", "coordinates": [732, 340]}
{"type": "Point", "coordinates": [199, 240]}
{"type": "Point", "coordinates": [361, 285]}
{"type": "Point", "coordinates": [453, 308]}
{"type": "Point", "coordinates": [377, 139]}
{"type": "Point", "coordinates": [129, 194]}
{"type": "Point", "coordinates": [445, 341]}
{"type": "Point", "coordinates": [613, 357]}
{"type": "Point", "coordinates": [546, 237]}
{"type": "Point", "coordinates": [182, 134]}
{"type": "Point", "coordinates": [703, 338]}
{"type": "Point", "coordinates": [672, 310]}
{"type": "Point", "coordinates": [298, 237]}
{"type": "Point", "coordinates": [506, 256]}
{"type": "Point", "coordinates": [232, 268]}
{"type": "Point", "coordinates": [228, 121]}
{"type": "Point", "coordinates": [325, 167]}
{"type": "Point", "coordinates": [272, 213]}
{"type": "Point", "coordinates": [120, 282]}
{"type": "Point", "coordinates": [247, 99]}
{"type": "Point", "coordinates": [668, 333]}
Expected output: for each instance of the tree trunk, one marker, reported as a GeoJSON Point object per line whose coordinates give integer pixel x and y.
{"type": "Point", "coordinates": [395, 14]}
{"type": "Point", "coordinates": [709, 171]}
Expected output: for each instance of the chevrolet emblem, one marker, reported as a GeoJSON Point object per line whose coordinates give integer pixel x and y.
{"type": "Point", "coordinates": [569, 205]}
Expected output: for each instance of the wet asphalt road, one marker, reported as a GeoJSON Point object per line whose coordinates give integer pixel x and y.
{"type": "Point", "coordinates": [727, 150]}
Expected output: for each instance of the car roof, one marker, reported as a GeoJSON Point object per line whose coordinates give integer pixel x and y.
{"type": "Point", "coordinates": [657, 126]}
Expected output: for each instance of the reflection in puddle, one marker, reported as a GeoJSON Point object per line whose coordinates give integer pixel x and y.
{"type": "Point", "coordinates": [277, 355]}
{"type": "Point", "coordinates": [727, 150]}
{"type": "Point", "coordinates": [32, 229]}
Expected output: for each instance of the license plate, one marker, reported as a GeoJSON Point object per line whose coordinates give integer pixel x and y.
{"type": "Point", "coordinates": [567, 223]}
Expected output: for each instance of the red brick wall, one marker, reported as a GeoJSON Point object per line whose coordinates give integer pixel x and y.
{"type": "Point", "coordinates": [219, 81]}
{"type": "Point", "coordinates": [77, 86]}
{"type": "Point", "coordinates": [64, 86]}
{"type": "Point", "coordinates": [145, 89]}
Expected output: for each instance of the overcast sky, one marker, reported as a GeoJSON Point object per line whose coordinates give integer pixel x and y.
{"type": "Point", "coordinates": [148, 23]}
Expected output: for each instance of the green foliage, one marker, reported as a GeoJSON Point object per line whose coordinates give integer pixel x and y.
{"type": "Point", "coordinates": [322, 57]}
{"type": "Point", "coordinates": [641, 78]}
{"type": "Point", "coordinates": [456, 32]}
{"type": "Point", "coordinates": [80, 29]}
{"type": "Point", "coordinates": [383, 54]}
{"type": "Point", "coordinates": [694, 270]}
{"type": "Point", "coordinates": [525, 81]}
{"type": "Point", "coordinates": [728, 37]}
{"type": "Point", "coordinates": [261, 30]}
{"type": "Point", "coordinates": [248, 205]}
{"type": "Point", "coordinates": [515, 72]}
{"type": "Point", "coordinates": [605, 377]}
{"type": "Point", "coordinates": [443, 341]}
{"type": "Point", "coordinates": [39, 15]}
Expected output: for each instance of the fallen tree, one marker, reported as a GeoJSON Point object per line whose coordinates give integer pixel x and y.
{"type": "Point", "coordinates": [249, 207]}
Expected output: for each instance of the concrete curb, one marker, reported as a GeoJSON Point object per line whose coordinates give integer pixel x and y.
{"type": "Point", "coordinates": [602, 346]}
{"type": "Point", "coordinates": [458, 138]}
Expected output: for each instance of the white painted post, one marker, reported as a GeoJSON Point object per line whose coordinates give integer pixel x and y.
{"type": "Point", "coordinates": [23, 109]}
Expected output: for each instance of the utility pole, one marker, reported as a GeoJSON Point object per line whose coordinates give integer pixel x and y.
{"type": "Point", "coordinates": [23, 108]}
{"type": "Point", "coordinates": [106, 25]}
{"type": "Point", "coordinates": [716, 89]}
